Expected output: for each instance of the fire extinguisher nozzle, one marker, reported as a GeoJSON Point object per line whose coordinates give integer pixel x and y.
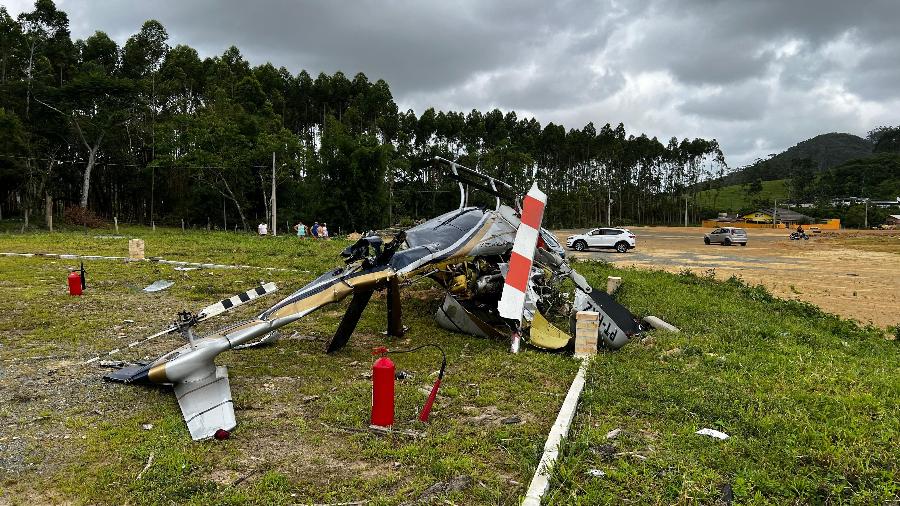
{"type": "Point", "coordinates": [426, 409]}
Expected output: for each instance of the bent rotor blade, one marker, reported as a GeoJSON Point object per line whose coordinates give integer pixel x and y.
{"type": "Point", "coordinates": [235, 301]}
{"type": "Point", "coordinates": [208, 312]}
{"type": "Point", "coordinates": [351, 318]}
{"type": "Point", "coordinates": [395, 309]}
{"type": "Point", "coordinates": [512, 301]}
{"type": "Point", "coordinates": [130, 345]}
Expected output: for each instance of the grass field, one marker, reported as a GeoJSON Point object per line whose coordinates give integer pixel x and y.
{"type": "Point", "coordinates": [812, 402]}
{"type": "Point", "coordinates": [734, 198]}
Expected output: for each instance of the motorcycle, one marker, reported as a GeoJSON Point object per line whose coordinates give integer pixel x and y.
{"type": "Point", "coordinates": [796, 236]}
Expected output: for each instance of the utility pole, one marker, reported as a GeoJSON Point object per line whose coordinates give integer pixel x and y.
{"type": "Point", "coordinates": [274, 217]}
{"type": "Point", "coordinates": [608, 206]}
{"type": "Point", "coordinates": [685, 210]}
{"type": "Point", "coordinates": [775, 214]}
{"type": "Point", "coordinates": [866, 224]}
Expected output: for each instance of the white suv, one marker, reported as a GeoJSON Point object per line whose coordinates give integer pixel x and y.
{"type": "Point", "coordinates": [619, 238]}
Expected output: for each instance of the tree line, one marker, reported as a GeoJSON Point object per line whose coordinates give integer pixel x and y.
{"type": "Point", "coordinates": [147, 132]}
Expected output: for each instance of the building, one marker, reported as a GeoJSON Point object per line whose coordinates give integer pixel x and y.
{"type": "Point", "coordinates": [778, 215]}
{"type": "Point", "coordinates": [853, 201]}
{"type": "Point", "coordinates": [893, 219]}
{"type": "Point", "coordinates": [885, 204]}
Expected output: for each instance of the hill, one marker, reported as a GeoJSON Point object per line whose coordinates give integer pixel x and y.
{"type": "Point", "coordinates": [826, 151]}
{"type": "Point", "coordinates": [734, 198]}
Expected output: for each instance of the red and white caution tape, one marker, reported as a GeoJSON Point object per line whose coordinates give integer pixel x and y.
{"type": "Point", "coordinates": [512, 301]}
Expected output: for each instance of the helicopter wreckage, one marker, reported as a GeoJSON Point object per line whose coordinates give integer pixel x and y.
{"type": "Point", "coordinates": [502, 273]}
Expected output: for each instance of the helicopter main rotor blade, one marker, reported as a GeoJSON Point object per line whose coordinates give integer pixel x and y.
{"type": "Point", "coordinates": [394, 309]}
{"type": "Point", "coordinates": [235, 301]}
{"type": "Point", "coordinates": [354, 312]}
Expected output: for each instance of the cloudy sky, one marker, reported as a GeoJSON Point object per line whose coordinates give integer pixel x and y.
{"type": "Point", "coordinates": [758, 75]}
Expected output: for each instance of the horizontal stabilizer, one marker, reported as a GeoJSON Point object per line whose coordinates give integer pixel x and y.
{"type": "Point", "coordinates": [133, 373]}
{"type": "Point", "coordinates": [206, 404]}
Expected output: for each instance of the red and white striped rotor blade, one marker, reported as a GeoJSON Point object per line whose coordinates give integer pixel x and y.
{"type": "Point", "coordinates": [512, 301]}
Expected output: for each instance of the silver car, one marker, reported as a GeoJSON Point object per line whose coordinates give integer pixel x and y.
{"type": "Point", "coordinates": [726, 236]}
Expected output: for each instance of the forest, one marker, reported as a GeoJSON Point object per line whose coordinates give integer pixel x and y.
{"type": "Point", "coordinates": [153, 133]}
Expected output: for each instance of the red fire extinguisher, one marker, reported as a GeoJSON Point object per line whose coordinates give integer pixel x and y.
{"type": "Point", "coordinates": [383, 374]}
{"type": "Point", "coordinates": [74, 280]}
{"type": "Point", "coordinates": [382, 389]}
{"type": "Point", "coordinates": [77, 282]}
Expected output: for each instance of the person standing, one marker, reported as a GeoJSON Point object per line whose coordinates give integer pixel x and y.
{"type": "Point", "coordinates": [301, 230]}
{"type": "Point", "coordinates": [323, 231]}
{"type": "Point", "coordinates": [262, 229]}
{"type": "Point", "coordinates": [314, 231]}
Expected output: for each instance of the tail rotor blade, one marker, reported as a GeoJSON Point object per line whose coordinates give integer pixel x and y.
{"type": "Point", "coordinates": [512, 300]}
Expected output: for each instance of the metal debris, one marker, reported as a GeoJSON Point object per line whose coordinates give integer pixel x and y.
{"type": "Point", "coordinates": [158, 286]}
{"type": "Point", "coordinates": [712, 433]}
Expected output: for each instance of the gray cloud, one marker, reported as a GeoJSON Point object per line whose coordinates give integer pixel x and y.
{"type": "Point", "coordinates": [759, 76]}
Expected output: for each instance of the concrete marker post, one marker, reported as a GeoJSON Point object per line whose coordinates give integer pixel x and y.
{"type": "Point", "coordinates": [586, 334]}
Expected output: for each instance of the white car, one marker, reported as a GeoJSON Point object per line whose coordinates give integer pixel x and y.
{"type": "Point", "coordinates": [621, 239]}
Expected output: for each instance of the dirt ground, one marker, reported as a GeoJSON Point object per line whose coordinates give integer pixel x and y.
{"type": "Point", "coordinates": [855, 274]}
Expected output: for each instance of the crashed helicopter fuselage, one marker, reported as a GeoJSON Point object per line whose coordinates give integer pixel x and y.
{"type": "Point", "coordinates": [466, 251]}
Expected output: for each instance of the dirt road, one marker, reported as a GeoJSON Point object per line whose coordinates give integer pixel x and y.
{"type": "Point", "coordinates": [853, 274]}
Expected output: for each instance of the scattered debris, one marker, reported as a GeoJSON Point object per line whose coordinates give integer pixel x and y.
{"type": "Point", "coordinates": [456, 484]}
{"type": "Point", "coordinates": [182, 268]}
{"type": "Point", "coordinates": [595, 473]}
{"type": "Point", "coordinates": [631, 454]}
{"type": "Point", "coordinates": [113, 364]}
{"type": "Point", "coordinates": [243, 478]}
{"type": "Point", "coordinates": [377, 429]}
{"type": "Point", "coordinates": [671, 353]}
{"type": "Point", "coordinates": [712, 433]}
{"type": "Point", "coordinates": [613, 433]}
{"type": "Point", "coordinates": [127, 321]}
{"type": "Point", "coordinates": [309, 398]}
{"type": "Point", "coordinates": [658, 323]}
{"type": "Point", "coordinates": [157, 286]}
{"type": "Point", "coordinates": [147, 426]}
{"type": "Point", "coordinates": [607, 451]}
{"type": "Point", "coordinates": [146, 466]}
{"type": "Point", "coordinates": [511, 420]}
{"type": "Point", "coordinates": [727, 495]}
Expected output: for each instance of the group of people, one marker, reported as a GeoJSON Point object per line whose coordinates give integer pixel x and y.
{"type": "Point", "coordinates": [317, 231]}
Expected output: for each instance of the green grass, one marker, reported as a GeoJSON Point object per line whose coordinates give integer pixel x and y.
{"type": "Point", "coordinates": [302, 414]}
{"type": "Point", "coordinates": [734, 198]}
{"type": "Point", "coordinates": [812, 402]}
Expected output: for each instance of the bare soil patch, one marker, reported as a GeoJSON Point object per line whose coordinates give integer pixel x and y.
{"type": "Point", "coordinates": [855, 274]}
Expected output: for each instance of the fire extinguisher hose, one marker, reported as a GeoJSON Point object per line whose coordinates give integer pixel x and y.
{"type": "Point", "coordinates": [426, 409]}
